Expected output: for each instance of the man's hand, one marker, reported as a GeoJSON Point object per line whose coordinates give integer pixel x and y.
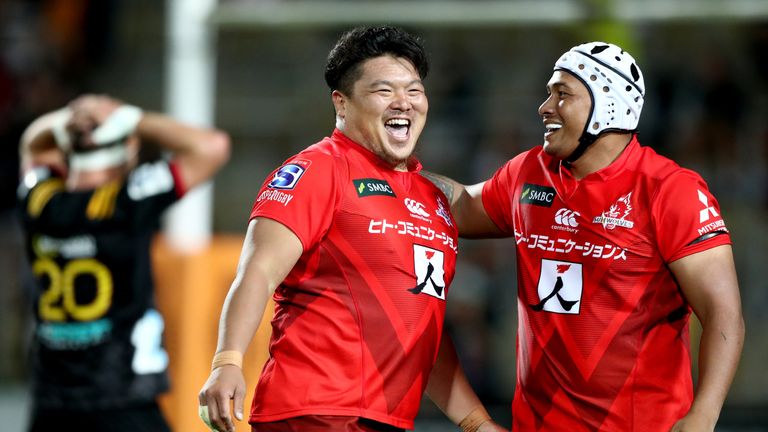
{"type": "Point", "coordinates": [491, 426]}
{"type": "Point", "coordinates": [694, 423]}
{"type": "Point", "coordinates": [224, 384]}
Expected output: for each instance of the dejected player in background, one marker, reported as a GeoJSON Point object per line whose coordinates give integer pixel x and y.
{"type": "Point", "coordinates": [616, 246]}
{"type": "Point", "coordinates": [358, 251]}
{"type": "Point", "coordinates": [89, 212]}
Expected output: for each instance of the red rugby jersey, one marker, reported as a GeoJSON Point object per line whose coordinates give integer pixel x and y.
{"type": "Point", "coordinates": [603, 327]}
{"type": "Point", "coordinates": [358, 320]}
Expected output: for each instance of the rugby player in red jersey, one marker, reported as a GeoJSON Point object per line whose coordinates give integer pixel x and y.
{"type": "Point", "coordinates": [616, 246]}
{"type": "Point", "coordinates": [358, 251]}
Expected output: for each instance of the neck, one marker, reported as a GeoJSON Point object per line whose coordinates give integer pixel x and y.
{"type": "Point", "coordinates": [606, 149]}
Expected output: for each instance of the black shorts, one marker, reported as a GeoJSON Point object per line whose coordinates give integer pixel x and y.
{"type": "Point", "coordinates": [145, 418]}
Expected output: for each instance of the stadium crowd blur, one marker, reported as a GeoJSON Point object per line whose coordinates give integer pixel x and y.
{"type": "Point", "coordinates": [706, 107]}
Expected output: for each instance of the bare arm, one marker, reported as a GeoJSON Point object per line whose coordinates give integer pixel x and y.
{"type": "Point", "coordinates": [467, 207]}
{"type": "Point", "coordinates": [199, 152]}
{"type": "Point", "coordinates": [449, 388]}
{"type": "Point", "coordinates": [269, 253]}
{"type": "Point", "coordinates": [38, 146]}
{"type": "Point", "coordinates": [708, 281]}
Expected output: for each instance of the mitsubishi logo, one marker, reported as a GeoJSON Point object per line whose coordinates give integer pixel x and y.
{"type": "Point", "coordinates": [708, 209]}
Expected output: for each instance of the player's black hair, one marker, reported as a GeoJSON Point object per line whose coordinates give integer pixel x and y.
{"type": "Point", "coordinates": [362, 43]}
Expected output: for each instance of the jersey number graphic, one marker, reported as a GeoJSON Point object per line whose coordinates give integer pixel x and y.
{"type": "Point", "coordinates": [60, 300]}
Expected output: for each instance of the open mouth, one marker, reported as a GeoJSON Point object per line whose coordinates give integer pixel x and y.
{"type": "Point", "coordinates": [552, 128]}
{"type": "Point", "coordinates": [398, 127]}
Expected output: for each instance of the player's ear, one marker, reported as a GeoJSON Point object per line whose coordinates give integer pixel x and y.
{"type": "Point", "coordinates": [339, 103]}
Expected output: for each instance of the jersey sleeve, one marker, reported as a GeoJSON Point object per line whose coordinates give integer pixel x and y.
{"type": "Point", "coordinates": [150, 189]}
{"type": "Point", "coordinates": [687, 217]}
{"type": "Point", "coordinates": [498, 193]}
{"type": "Point", "coordinates": [302, 195]}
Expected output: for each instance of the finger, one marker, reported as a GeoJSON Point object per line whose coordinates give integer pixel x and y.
{"type": "Point", "coordinates": [238, 401]}
{"type": "Point", "coordinates": [202, 411]}
{"type": "Point", "coordinates": [225, 419]}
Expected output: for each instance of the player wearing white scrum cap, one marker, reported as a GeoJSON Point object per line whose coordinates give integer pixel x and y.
{"type": "Point", "coordinates": [616, 246]}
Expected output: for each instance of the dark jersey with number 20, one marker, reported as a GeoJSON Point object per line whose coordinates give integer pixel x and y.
{"type": "Point", "coordinates": [97, 343]}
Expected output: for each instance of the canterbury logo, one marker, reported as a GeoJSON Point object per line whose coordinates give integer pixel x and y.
{"type": "Point", "coordinates": [708, 209]}
{"type": "Point", "coordinates": [567, 217]}
{"type": "Point", "coordinates": [416, 207]}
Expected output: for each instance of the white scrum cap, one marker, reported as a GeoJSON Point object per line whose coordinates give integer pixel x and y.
{"type": "Point", "coordinates": [615, 82]}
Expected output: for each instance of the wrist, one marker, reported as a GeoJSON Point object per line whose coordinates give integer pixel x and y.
{"type": "Point", "coordinates": [119, 125]}
{"type": "Point", "coordinates": [473, 420]}
{"type": "Point", "coordinates": [223, 358]}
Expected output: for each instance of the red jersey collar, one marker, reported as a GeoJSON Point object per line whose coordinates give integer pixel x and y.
{"type": "Point", "coordinates": [414, 165]}
{"type": "Point", "coordinates": [607, 173]}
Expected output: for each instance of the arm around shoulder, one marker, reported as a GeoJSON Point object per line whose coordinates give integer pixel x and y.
{"type": "Point", "coordinates": [466, 206]}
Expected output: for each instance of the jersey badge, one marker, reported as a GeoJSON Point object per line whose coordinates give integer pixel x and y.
{"type": "Point", "coordinates": [430, 275]}
{"type": "Point", "coordinates": [371, 186]}
{"type": "Point", "coordinates": [709, 220]}
{"type": "Point", "coordinates": [417, 209]}
{"type": "Point", "coordinates": [537, 195]}
{"type": "Point", "coordinates": [289, 174]}
{"type": "Point", "coordinates": [566, 220]}
{"type": "Point", "coordinates": [443, 212]}
{"type": "Point", "coordinates": [560, 287]}
{"type": "Point", "coordinates": [617, 214]}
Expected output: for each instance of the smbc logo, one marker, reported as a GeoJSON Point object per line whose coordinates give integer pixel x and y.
{"type": "Point", "coordinates": [567, 217]}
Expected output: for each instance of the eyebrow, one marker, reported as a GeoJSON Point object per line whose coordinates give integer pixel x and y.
{"type": "Point", "coordinates": [391, 84]}
{"type": "Point", "coordinates": [558, 84]}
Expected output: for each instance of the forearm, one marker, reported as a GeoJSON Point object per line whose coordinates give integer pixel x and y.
{"type": "Point", "coordinates": [720, 348]}
{"type": "Point", "coordinates": [199, 151]}
{"type": "Point", "coordinates": [241, 315]}
{"type": "Point", "coordinates": [448, 386]}
{"type": "Point", "coordinates": [38, 146]}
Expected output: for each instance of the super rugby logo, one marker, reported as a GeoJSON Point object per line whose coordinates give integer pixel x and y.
{"type": "Point", "coordinates": [289, 174]}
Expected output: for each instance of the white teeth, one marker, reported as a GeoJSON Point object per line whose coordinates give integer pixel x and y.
{"type": "Point", "coordinates": [398, 122]}
{"type": "Point", "coordinates": [553, 126]}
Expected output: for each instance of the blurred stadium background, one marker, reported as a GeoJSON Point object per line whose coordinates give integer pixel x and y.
{"type": "Point", "coordinates": [259, 77]}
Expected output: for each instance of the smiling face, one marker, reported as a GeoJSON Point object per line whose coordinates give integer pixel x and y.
{"type": "Point", "coordinates": [386, 110]}
{"type": "Point", "coordinates": [565, 113]}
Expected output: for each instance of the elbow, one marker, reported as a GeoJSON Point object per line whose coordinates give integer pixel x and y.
{"type": "Point", "coordinates": [219, 147]}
